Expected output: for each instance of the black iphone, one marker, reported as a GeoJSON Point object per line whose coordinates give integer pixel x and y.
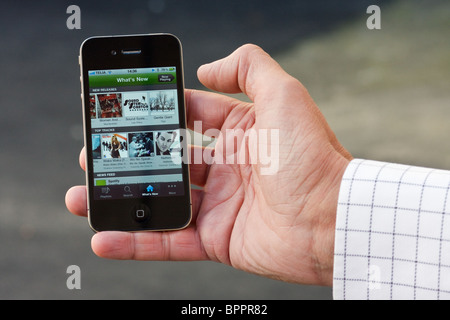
{"type": "Point", "coordinates": [134, 130]}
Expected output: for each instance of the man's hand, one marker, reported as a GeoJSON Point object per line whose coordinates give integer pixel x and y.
{"type": "Point", "coordinates": [278, 225]}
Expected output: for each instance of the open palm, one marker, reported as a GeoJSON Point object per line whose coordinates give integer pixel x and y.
{"type": "Point", "coordinates": [274, 219]}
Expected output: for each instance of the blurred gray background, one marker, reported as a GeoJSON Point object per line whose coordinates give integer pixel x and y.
{"type": "Point", "coordinates": [384, 92]}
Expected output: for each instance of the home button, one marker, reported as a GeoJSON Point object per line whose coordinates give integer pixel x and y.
{"type": "Point", "coordinates": [140, 213]}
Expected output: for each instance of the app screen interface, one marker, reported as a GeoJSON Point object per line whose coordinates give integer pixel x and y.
{"type": "Point", "coordinates": [135, 134]}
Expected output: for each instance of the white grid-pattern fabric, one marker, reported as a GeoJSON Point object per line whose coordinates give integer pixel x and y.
{"type": "Point", "coordinates": [392, 233]}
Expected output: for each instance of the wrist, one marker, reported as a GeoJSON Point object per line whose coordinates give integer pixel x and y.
{"type": "Point", "coordinates": [325, 221]}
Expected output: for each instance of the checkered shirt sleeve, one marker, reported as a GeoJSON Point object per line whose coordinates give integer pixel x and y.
{"type": "Point", "coordinates": [392, 236]}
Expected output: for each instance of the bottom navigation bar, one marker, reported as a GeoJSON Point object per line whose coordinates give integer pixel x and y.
{"type": "Point", "coordinates": [126, 191]}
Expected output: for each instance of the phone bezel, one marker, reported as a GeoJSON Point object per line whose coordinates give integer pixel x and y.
{"type": "Point", "coordinates": [157, 50]}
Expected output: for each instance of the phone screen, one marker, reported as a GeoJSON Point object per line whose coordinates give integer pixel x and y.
{"type": "Point", "coordinates": [135, 133]}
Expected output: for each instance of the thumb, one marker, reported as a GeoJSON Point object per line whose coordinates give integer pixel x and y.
{"type": "Point", "coordinates": [249, 69]}
{"type": "Point", "coordinates": [285, 101]}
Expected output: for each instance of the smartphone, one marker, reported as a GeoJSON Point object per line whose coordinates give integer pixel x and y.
{"type": "Point", "coordinates": [134, 124]}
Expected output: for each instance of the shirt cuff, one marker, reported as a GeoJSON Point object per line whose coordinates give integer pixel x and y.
{"type": "Point", "coordinates": [392, 236]}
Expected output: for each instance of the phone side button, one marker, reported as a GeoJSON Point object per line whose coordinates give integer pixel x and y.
{"type": "Point", "coordinates": [140, 213]}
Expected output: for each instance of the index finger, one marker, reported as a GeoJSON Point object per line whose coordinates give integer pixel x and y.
{"type": "Point", "coordinates": [249, 69]}
{"type": "Point", "coordinates": [82, 158]}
